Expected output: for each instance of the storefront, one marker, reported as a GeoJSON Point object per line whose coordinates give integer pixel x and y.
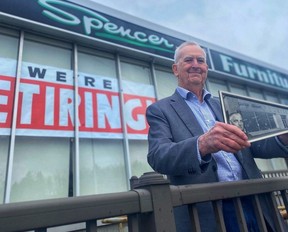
{"type": "Point", "coordinates": [75, 81]}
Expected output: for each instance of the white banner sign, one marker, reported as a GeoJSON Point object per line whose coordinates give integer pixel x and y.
{"type": "Point", "coordinates": [46, 103]}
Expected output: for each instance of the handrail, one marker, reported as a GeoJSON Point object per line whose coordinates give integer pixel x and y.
{"type": "Point", "coordinates": [217, 191]}
{"type": "Point", "coordinates": [144, 200]}
{"type": "Point", "coordinates": [34, 215]}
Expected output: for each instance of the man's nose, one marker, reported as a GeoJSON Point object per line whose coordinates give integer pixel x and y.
{"type": "Point", "coordinates": [194, 63]}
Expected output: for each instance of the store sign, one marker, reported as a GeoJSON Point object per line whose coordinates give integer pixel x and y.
{"type": "Point", "coordinates": [79, 19]}
{"type": "Point", "coordinates": [46, 104]}
{"type": "Point", "coordinates": [93, 22]}
{"type": "Point", "coordinates": [82, 20]}
{"type": "Point", "coordinates": [243, 69]}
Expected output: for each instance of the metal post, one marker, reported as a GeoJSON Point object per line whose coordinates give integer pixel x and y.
{"type": "Point", "coordinates": [162, 217]}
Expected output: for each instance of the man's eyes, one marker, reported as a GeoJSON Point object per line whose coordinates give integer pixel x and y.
{"type": "Point", "coordinates": [188, 60]}
{"type": "Point", "coordinates": [200, 60]}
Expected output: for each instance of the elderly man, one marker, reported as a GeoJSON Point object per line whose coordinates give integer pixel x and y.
{"type": "Point", "coordinates": [189, 143]}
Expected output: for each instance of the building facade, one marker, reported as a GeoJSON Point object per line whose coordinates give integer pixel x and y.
{"type": "Point", "coordinates": [75, 80]}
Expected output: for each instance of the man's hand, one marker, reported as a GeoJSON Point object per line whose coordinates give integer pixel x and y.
{"type": "Point", "coordinates": [224, 137]}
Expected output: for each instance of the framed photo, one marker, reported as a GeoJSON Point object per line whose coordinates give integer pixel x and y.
{"type": "Point", "coordinates": [259, 119]}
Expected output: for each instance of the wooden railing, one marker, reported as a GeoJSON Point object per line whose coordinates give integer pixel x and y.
{"type": "Point", "coordinates": [149, 206]}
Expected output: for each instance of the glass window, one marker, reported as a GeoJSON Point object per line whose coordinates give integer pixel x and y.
{"type": "Point", "coordinates": [46, 111]}
{"type": "Point", "coordinates": [102, 168]}
{"type": "Point", "coordinates": [238, 89]}
{"type": "Point", "coordinates": [166, 83]}
{"type": "Point", "coordinates": [255, 93]}
{"type": "Point", "coordinates": [264, 164]}
{"type": "Point", "coordinates": [284, 100]}
{"type": "Point", "coordinates": [40, 168]}
{"type": "Point", "coordinates": [46, 54]}
{"type": "Point", "coordinates": [138, 157]}
{"type": "Point", "coordinates": [271, 97]}
{"type": "Point", "coordinates": [215, 85]}
{"type": "Point", "coordinates": [138, 93]}
{"type": "Point", "coordinates": [9, 46]}
{"type": "Point", "coordinates": [4, 143]}
{"type": "Point", "coordinates": [96, 65]}
{"type": "Point", "coordinates": [8, 61]}
{"type": "Point", "coordinates": [279, 164]}
{"type": "Point", "coordinates": [139, 72]}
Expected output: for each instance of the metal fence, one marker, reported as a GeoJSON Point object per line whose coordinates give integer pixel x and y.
{"type": "Point", "coordinates": [149, 207]}
{"type": "Point", "coordinates": [278, 197]}
{"type": "Point", "coordinates": [278, 173]}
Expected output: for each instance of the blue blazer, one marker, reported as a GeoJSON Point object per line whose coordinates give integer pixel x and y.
{"type": "Point", "coordinates": [172, 139]}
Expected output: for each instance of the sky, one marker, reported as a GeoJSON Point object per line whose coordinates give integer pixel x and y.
{"type": "Point", "coordinates": [255, 28]}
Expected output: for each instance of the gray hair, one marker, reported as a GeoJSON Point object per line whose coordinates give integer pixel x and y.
{"type": "Point", "coordinates": [187, 43]}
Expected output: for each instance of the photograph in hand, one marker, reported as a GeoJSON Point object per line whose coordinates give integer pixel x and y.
{"type": "Point", "coordinates": [259, 119]}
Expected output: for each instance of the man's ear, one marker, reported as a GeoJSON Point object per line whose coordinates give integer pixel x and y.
{"type": "Point", "coordinates": [175, 69]}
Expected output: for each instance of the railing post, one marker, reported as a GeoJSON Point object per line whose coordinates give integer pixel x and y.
{"type": "Point", "coordinates": [162, 217]}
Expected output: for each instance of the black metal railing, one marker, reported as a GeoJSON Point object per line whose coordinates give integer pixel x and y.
{"type": "Point", "coordinates": [149, 206]}
{"type": "Point", "coordinates": [278, 197]}
{"type": "Point", "coordinates": [276, 173]}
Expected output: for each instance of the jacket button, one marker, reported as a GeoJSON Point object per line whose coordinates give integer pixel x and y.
{"type": "Point", "coordinates": [191, 171]}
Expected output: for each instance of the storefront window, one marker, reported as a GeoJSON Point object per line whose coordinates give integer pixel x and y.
{"type": "Point", "coordinates": [284, 100]}
{"type": "Point", "coordinates": [4, 143]}
{"type": "Point", "coordinates": [45, 122]}
{"type": "Point", "coordinates": [95, 64]}
{"type": "Point", "coordinates": [135, 72]}
{"type": "Point", "coordinates": [255, 93]}
{"type": "Point", "coordinates": [8, 60]}
{"type": "Point", "coordinates": [138, 94]}
{"type": "Point", "coordinates": [47, 54]}
{"type": "Point", "coordinates": [238, 89]}
{"type": "Point", "coordinates": [271, 97]}
{"type": "Point", "coordinates": [40, 169]}
{"type": "Point", "coordinates": [279, 164]}
{"type": "Point", "coordinates": [138, 153]}
{"type": "Point", "coordinates": [166, 83]}
{"type": "Point", "coordinates": [215, 85]}
{"type": "Point", "coordinates": [102, 168]}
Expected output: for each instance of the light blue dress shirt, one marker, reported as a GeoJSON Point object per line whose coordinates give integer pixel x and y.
{"type": "Point", "coordinates": [228, 167]}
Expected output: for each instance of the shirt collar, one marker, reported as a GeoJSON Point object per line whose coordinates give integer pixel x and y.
{"type": "Point", "coordinates": [187, 95]}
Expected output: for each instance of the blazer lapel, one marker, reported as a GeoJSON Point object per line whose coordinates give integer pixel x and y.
{"type": "Point", "coordinates": [214, 105]}
{"type": "Point", "coordinates": [185, 114]}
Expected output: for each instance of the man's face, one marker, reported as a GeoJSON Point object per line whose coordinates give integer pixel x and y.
{"type": "Point", "coordinates": [236, 120]}
{"type": "Point", "coordinates": [191, 68]}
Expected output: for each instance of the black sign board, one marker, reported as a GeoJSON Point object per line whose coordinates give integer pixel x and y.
{"type": "Point", "coordinates": [76, 18]}
{"type": "Point", "coordinates": [246, 70]}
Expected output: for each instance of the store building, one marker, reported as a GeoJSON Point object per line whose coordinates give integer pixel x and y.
{"type": "Point", "coordinates": [68, 60]}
